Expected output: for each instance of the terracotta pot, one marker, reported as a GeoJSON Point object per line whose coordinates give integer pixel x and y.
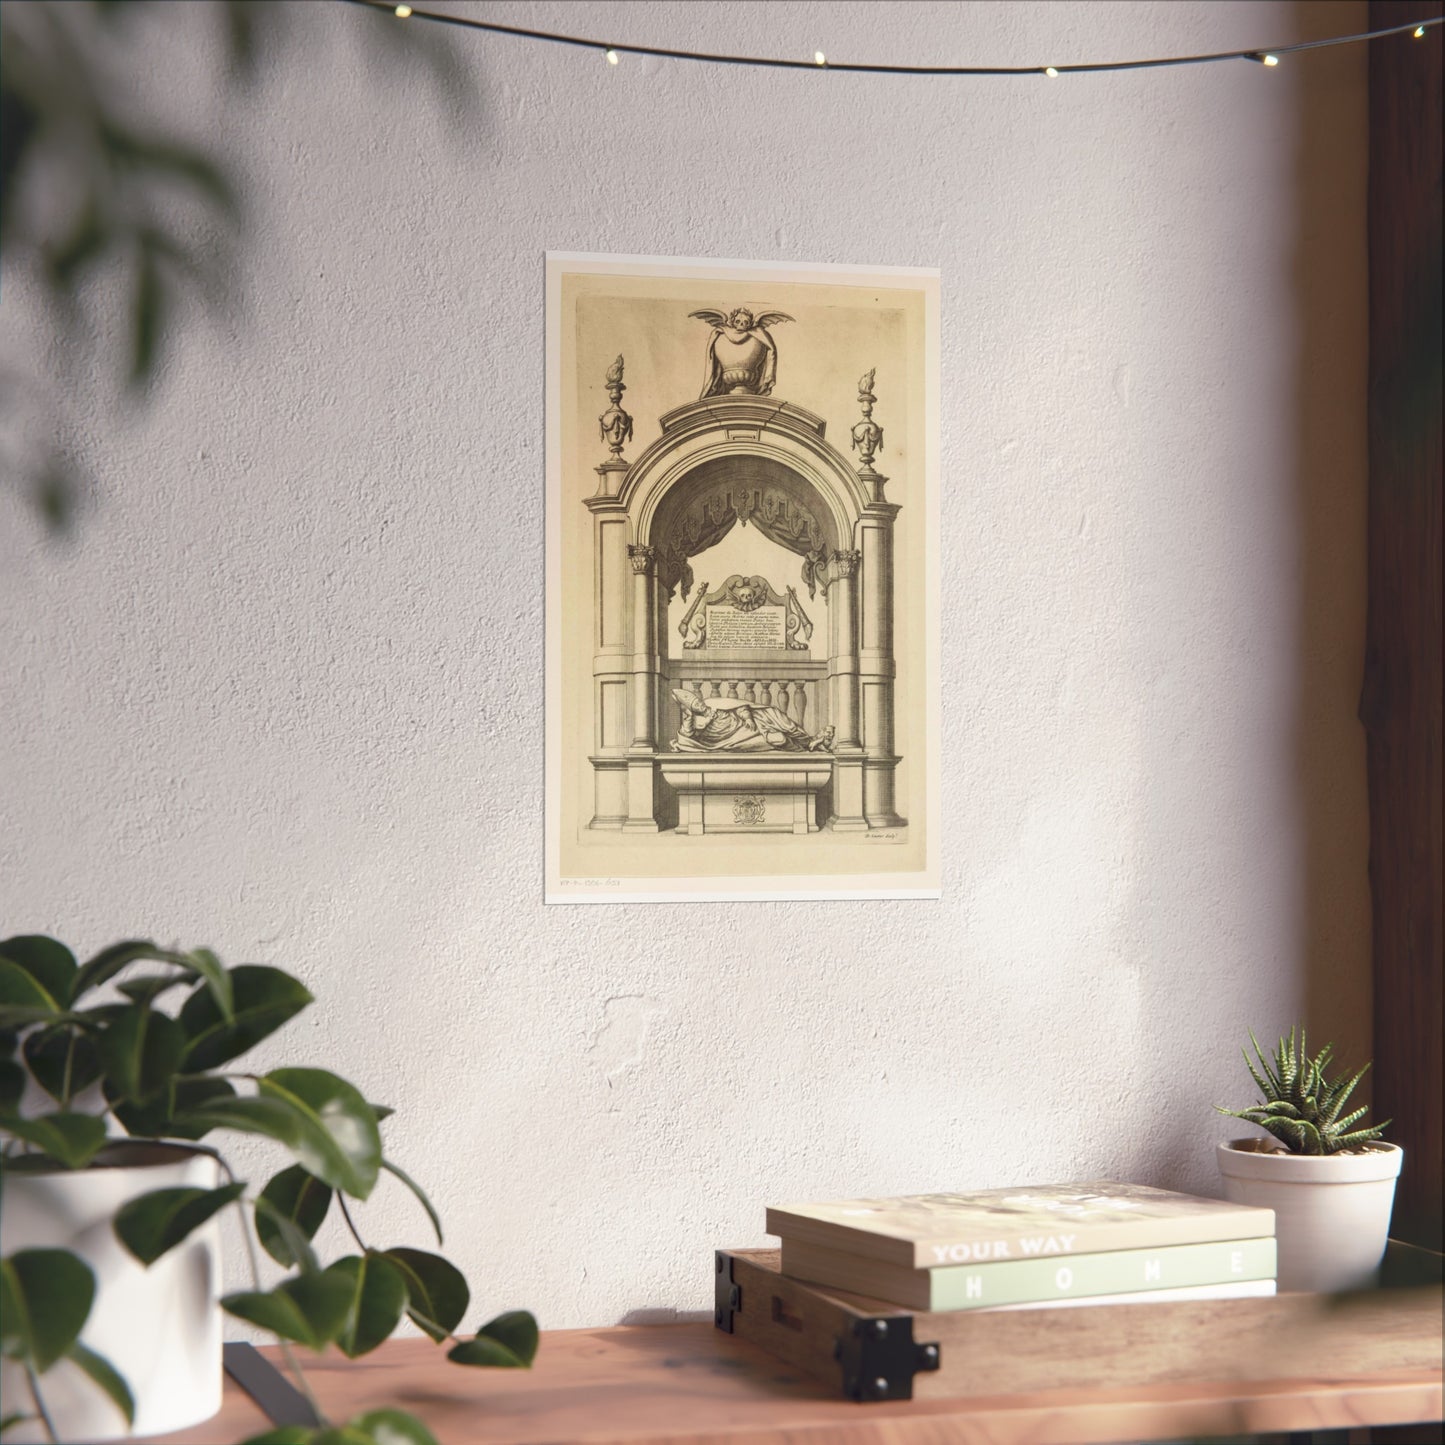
{"type": "Point", "coordinates": [1331, 1211]}
{"type": "Point", "coordinates": [160, 1327]}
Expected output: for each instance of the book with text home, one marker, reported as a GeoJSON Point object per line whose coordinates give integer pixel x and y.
{"type": "Point", "coordinates": [1245, 1289]}
{"type": "Point", "coordinates": [1032, 1281]}
{"type": "Point", "coordinates": [924, 1231]}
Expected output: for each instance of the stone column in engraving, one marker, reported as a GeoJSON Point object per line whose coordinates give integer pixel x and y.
{"type": "Point", "coordinates": [644, 646]}
{"type": "Point", "coordinates": [876, 665]}
{"type": "Point", "coordinates": [641, 772]}
{"type": "Point", "coordinates": [611, 645]}
{"type": "Point", "coordinates": [843, 693]}
{"type": "Point", "coordinates": [843, 651]}
{"type": "Point", "coordinates": [611, 655]}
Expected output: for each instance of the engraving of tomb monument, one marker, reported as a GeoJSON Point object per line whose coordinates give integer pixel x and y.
{"type": "Point", "coordinates": [764, 703]}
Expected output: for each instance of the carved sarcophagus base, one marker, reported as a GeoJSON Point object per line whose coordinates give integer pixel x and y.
{"type": "Point", "coordinates": [747, 793]}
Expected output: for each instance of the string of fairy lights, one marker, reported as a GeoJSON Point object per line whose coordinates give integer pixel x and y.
{"type": "Point", "coordinates": [613, 51]}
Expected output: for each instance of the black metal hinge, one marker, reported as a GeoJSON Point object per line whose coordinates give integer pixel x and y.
{"type": "Point", "coordinates": [880, 1358]}
{"type": "Point", "coordinates": [727, 1296]}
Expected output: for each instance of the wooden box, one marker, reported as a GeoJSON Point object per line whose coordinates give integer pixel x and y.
{"type": "Point", "coordinates": [871, 1350]}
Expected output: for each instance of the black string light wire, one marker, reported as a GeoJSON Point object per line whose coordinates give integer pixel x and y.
{"type": "Point", "coordinates": [612, 51]}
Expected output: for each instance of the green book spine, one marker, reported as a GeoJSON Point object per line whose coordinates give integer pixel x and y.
{"type": "Point", "coordinates": [1027, 1281]}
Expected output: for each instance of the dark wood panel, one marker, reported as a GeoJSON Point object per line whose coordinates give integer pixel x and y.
{"type": "Point", "coordinates": [1401, 699]}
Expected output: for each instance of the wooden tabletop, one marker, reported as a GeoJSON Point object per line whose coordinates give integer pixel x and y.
{"type": "Point", "coordinates": [694, 1385]}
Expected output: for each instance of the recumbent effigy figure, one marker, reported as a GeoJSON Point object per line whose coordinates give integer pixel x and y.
{"type": "Point", "coordinates": [731, 724]}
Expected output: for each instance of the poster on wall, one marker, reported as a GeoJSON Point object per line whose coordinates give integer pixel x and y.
{"type": "Point", "coordinates": [742, 580]}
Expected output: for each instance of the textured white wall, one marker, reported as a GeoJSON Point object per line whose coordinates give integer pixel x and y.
{"type": "Point", "coordinates": [282, 693]}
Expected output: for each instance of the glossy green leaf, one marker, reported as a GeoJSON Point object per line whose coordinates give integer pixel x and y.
{"type": "Point", "coordinates": [152, 986]}
{"type": "Point", "coordinates": [10, 1041]}
{"type": "Point", "coordinates": [278, 1115]}
{"type": "Point", "coordinates": [45, 1300]}
{"type": "Point", "coordinates": [104, 1374]}
{"type": "Point", "coordinates": [141, 1121]}
{"type": "Point", "coordinates": [96, 1018]}
{"type": "Point", "coordinates": [23, 999]}
{"type": "Point", "coordinates": [263, 999]}
{"type": "Point", "coordinates": [517, 1330]}
{"type": "Point", "coordinates": [151, 1224]}
{"type": "Point", "coordinates": [392, 1427]}
{"type": "Point", "coordinates": [213, 971]}
{"type": "Point", "coordinates": [63, 1060]}
{"type": "Point", "coordinates": [50, 964]}
{"type": "Point", "coordinates": [283, 1435]}
{"type": "Point", "coordinates": [163, 1116]}
{"type": "Point", "coordinates": [507, 1342]}
{"type": "Point", "coordinates": [268, 1117]}
{"type": "Point", "coordinates": [340, 1143]}
{"type": "Point", "coordinates": [141, 1051]}
{"type": "Point", "coordinates": [14, 1325]}
{"type": "Point", "coordinates": [299, 1197]}
{"type": "Point", "coordinates": [290, 1237]}
{"type": "Point", "coordinates": [416, 1189]}
{"type": "Point", "coordinates": [378, 1296]}
{"type": "Point", "coordinates": [382, 1111]}
{"type": "Point", "coordinates": [73, 1139]}
{"type": "Point", "coordinates": [188, 1094]}
{"type": "Point", "coordinates": [437, 1293]}
{"type": "Point", "coordinates": [12, 1086]}
{"type": "Point", "coordinates": [310, 1310]}
{"type": "Point", "coordinates": [20, 1016]}
{"type": "Point", "coordinates": [341, 1435]}
{"type": "Point", "coordinates": [109, 962]}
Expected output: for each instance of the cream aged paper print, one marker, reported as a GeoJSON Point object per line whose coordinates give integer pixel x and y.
{"type": "Point", "coordinates": [742, 523]}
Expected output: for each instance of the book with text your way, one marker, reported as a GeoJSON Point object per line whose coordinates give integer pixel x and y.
{"type": "Point", "coordinates": [1032, 1222]}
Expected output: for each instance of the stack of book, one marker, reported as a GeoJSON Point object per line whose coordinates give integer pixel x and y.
{"type": "Point", "coordinates": [1031, 1247]}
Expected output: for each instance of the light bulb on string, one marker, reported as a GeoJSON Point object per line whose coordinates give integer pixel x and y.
{"type": "Point", "coordinates": [1260, 57]}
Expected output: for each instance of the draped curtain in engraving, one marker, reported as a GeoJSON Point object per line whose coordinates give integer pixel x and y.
{"type": "Point", "coordinates": [709, 518]}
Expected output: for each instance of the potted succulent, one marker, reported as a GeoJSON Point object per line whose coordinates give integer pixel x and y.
{"type": "Point", "coordinates": [113, 1085]}
{"type": "Point", "coordinates": [1331, 1185]}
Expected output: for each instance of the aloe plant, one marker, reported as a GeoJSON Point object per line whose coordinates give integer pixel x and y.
{"type": "Point", "coordinates": [1302, 1108]}
{"type": "Point", "coordinates": [168, 1075]}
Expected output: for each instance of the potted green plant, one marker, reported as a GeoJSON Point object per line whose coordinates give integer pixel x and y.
{"type": "Point", "coordinates": [1331, 1185]}
{"type": "Point", "coordinates": [113, 1083]}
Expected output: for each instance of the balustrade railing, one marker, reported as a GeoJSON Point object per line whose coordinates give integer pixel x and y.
{"type": "Point", "coordinates": [792, 696]}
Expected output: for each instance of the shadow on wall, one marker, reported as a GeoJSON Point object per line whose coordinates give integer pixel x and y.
{"type": "Point", "coordinates": [91, 187]}
{"type": "Point", "coordinates": [1321, 971]}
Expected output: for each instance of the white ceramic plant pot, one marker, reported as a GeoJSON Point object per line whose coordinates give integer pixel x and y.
{"type": "Point", "coordinates": [1331, 1211]}
{"type": "Point", "coordinates": [160, 1327]}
